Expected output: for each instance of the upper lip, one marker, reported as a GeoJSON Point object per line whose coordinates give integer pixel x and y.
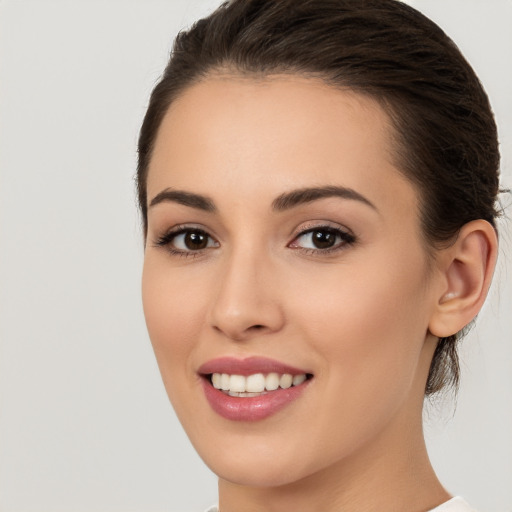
{"type": "Point", "coordinates": [247, 366]}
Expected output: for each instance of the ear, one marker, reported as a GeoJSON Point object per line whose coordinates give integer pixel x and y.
{"type": "Point", "coordinates": [466, 272]}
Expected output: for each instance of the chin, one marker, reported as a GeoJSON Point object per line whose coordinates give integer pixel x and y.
{"type": "Point", "coordinates": [258, 474]}
{"type": "Point", "coordinates": [261, 460]}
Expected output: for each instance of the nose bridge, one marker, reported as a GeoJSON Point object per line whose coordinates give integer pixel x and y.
{"type": "Point", "coordinates": [247, 300]}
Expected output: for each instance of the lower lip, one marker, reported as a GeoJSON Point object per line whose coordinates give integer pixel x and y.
{"type": "Point", "coordinates": [252, 408]}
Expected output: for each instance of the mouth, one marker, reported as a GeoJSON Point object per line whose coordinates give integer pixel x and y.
{"type": "Point", "coordinates": [256, 384]}
{"type": "Point", "coordinates": [251, 389]}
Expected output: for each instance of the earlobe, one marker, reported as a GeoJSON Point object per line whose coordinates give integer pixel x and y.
{"type": "Point", "coordinates": [467, 269]}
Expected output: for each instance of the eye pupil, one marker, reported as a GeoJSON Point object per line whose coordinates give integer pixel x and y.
{"type": "Point", "coordinates": [195, 240]}
{"type": "Point", "coordinates": [323, 239]}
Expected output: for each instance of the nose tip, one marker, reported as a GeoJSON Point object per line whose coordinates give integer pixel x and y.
{"type": "Point", "coordinates": [247, 304]}
{"type": "Point", "coordinates": [240, 330]}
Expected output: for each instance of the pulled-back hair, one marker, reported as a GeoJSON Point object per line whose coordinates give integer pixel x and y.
{"type": "Point", "coordinates": [445, 139]}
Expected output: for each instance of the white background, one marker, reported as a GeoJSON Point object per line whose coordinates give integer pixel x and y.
{"type": "Point", "coordinates": [84, 420]}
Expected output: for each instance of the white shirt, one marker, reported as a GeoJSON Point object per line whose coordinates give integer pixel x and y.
{"type": "Point", "coordinates": [456, 504]}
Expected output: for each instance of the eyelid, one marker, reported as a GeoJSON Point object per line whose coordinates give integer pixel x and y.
{"type": "Point", "coordinates": [347, 236]}
{"type": "Point", "coordinates": [168, 236]}
{"type": "Point", "coordinates": [321, 224]}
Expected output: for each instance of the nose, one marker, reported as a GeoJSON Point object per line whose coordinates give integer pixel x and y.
{"type": "Point", "coordinates": [247, 303]}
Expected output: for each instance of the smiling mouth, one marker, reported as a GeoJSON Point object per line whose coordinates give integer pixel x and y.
{"type": "Point", "coordinates": [257, 384]}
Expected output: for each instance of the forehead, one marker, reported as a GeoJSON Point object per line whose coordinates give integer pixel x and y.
{"type": "Point", "coordinates": [266, 135]}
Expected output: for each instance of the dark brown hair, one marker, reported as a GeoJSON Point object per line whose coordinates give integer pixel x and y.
{"type": "Point", "coordinates": [446, 137]}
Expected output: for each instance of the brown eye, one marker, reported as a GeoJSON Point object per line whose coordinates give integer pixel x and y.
{"type": "Point", "coordinates": [195, 240]}
{"type": "Point", "coordinates": [323, 239]}
{"type": "Point", "coordinates": [186, 240]}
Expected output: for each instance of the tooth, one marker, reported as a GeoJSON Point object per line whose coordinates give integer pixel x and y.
{"type": "Point", "coordinates": [237, 383]}
{"type": "Point", "coordinates": [298, 379]}
{"type": "Point", "coordinates": [285, 381]}
{"type": "Point", "coordinates": [224, 382]}
{"type": "Point", "coordinates": [272, 382]}
{"type": "Point", "coordinates": [255, 383]}
{"type": "Point", "coordinates": [244, 395]}
{"type": "Point", "coordinates": [216, 378]}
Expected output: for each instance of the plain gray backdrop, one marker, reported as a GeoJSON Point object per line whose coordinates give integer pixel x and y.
{"type": "Point", "coordinates": [84, 420]}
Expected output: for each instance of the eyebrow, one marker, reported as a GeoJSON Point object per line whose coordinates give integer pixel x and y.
{"type": "Point", "coordinates": [285, 201]}
{"type": "Point", "coordinates": [185, 198]}
{"type": "Point", "coordinates": [301, 196]}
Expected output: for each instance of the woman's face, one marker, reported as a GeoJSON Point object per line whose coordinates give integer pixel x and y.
{"type": "Point", "coordinates": [283, 244]}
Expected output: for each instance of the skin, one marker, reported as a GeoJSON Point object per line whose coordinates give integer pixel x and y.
{"type": "Point", "coordinates": [360, 319]}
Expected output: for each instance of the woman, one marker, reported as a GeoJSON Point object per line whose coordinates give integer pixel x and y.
{"type": "Point", "coordinates": [317, 181]}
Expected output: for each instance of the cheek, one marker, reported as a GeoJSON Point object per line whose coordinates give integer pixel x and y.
{"type": "Point", "coordinates": [367, 319]}
{"type": "Point", "coordinates": [365, 324]}
{"type": "Point", "coordinates": [173, 315]}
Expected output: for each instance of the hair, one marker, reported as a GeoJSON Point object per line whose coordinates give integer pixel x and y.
{"type": "Point", "coordinates": [445, 139]}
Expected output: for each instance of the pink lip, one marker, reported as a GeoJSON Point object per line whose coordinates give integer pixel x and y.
{"type": "Point", "coordinates": [249, 408]}
{"type": "Point", "coordinates": [247, 366]}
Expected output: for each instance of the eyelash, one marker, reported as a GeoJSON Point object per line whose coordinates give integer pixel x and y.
{"type": "Point", "coordinates": [167, 238]}
{"type": "Point", "coordinates": [346, 239]}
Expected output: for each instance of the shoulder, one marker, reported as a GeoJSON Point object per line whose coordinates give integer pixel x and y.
{"type": "Point", "coordinates": [456, 504]}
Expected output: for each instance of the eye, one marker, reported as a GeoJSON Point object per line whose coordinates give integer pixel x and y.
{"type": "Point", "coordinates": [322, 239]}
{"type": "Point", "coordinates": [182, 240]}
{"type": "Point", "coordinates": [192, 241]}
